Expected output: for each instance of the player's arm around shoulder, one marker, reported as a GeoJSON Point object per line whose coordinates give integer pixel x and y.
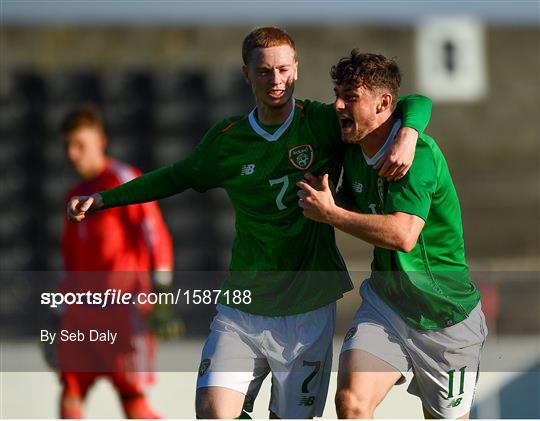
{"type": "Point", "coordinates": [399, 158]}
{"type": "Point", "coordinates": [415, 112]}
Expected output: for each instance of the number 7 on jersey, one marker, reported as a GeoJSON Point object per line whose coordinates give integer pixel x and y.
{"type": "Point", "coordinates": [279, 197]}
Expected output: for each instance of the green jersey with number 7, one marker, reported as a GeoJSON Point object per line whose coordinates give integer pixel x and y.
{"type": "Point", "coordinates": [289, 263]}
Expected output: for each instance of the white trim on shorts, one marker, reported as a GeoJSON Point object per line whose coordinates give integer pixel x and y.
{"type": "Point", "coordinates": [243, 348]}
{"type": "Point", "coordinates": [433, 355]}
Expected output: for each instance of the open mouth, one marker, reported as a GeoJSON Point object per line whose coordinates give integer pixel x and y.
{"type": "Point", "coordinates": [346, 123]}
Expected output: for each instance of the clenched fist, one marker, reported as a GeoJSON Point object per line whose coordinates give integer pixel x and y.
{"type": "Point", "coordinates": [78, 207]}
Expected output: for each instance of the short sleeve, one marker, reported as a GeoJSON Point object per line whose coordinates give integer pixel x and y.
{"type": "Point", "coordinates": [415, 111]}
{"type": "Point", "coordinates": [414, 192]}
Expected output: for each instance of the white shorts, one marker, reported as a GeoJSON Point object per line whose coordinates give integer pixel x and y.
{"type": "Point", "coordinates": [243, 348]}
{"type": "Point", "coordinates": [444, 361]}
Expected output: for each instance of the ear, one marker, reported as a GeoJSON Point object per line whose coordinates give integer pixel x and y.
{"type": "Point", "coordinates": [245, 73]}
{"type": "Point", "coordinates": [385, 102]}
{"type": "Point", "coordinates": [295, 70]}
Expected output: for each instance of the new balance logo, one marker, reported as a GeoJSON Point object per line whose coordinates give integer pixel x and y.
{"type": "Point", "coordinates": [306, 401]}
{"type": "Point", "coordinates": [358, 187]}
{"type": "Point", "coordinates": [247, 169]}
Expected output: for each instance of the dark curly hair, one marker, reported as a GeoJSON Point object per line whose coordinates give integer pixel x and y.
{"type": "Point", "coordinates": [374, 72]}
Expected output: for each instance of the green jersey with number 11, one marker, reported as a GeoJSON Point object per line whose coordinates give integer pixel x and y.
{"type": "Point", "coordinates": [289, 263]}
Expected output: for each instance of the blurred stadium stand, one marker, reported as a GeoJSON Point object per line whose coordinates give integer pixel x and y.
{"type": "Point", "coordinates": [151, 120]}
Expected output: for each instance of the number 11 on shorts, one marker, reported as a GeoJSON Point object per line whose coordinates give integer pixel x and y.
{"type": "Point", "coordinates": [451, 382]}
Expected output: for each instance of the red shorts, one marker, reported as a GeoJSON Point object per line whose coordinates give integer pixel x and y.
{"type": "Point", "coordinates": [126, 383]}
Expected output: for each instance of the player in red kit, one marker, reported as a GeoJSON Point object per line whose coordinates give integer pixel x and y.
{"type": "Point", "coordinates": [117, 250]}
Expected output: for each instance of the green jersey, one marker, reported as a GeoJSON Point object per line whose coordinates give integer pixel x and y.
{"type": "Point", "coordinates": [429, 287]}
{"type": "Point", "coordinates": [289, 263]}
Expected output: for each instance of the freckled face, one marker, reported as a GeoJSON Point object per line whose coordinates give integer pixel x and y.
{"type": "Point", "coordinates": [272, 72]}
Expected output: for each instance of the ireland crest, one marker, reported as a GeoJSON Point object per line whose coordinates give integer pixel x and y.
{"type": "Point", "coordinates": [301, 156]}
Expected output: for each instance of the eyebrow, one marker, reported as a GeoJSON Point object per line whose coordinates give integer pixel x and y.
{"type": "Point", "coordinates": [348, 91]}
{"type": "Point", "coordinates": [272, 67]}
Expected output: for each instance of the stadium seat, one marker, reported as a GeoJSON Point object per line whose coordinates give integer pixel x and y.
{"type": "Point", "coordinates": [169, 149]}
{"type": "Point", "coordinates": [186, 85]}
{"type": "Point", "coordinates": [75, 87]}
{"type": "Point", "coordinates": [30, 88]}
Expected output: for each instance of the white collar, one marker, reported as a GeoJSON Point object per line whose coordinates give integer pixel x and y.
{"type": "Point", "coordinates": [263, 133]}
{"type": "Point", "coordinates": [389, 140]}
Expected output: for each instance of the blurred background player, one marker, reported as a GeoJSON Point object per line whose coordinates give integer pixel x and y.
{"type": "Point", "coordinates": [116, 250]}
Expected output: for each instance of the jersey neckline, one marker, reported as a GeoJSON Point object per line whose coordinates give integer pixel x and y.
{"type": "Point", "coordinates": [277, 134]}
{"type": "Point", "coordinates": [389, 140]}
